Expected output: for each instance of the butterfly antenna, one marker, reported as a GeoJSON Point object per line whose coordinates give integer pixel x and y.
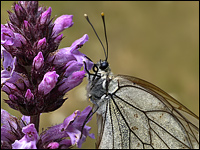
{"type": "Point", "coordinates": [87, 18]}
{"type": "Point", "coordinates": [104, 25]}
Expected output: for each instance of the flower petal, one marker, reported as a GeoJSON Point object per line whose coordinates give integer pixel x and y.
{"type": "Point", "coordinates": [29, 140]}
{"type": "Point", "coordinates": [72, 81]}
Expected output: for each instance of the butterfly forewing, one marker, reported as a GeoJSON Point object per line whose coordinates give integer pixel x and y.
{"type": "Point", "coordinates": [137, 114]}
{"type": "Point", "coordinates": [183, 114]}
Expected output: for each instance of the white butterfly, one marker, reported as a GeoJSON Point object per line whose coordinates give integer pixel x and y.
{"type": "Point", "coordinates": [133, 113]}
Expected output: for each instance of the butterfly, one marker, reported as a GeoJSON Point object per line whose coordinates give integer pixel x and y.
{"type": "Point", "coordinates": [133, 113]}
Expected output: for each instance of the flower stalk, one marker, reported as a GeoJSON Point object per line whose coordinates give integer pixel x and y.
{"type": "Point", "coordinates": [35, 119]}
{"type": "Point", "coordinates": [36, 75]}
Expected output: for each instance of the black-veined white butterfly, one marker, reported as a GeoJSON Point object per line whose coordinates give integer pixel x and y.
{"type": "Point", "coordinates": [133, 113]}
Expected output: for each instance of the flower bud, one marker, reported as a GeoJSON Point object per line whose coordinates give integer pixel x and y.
{"type": "Point", "coordinates": [26, 25]}
{"type": "Point", "coordinates": [18, 9]}
{"type": "Point", "coordinates": [48, 82]}
{"type": "Point", "coordinates": [53, 145]}
{"type": "Point", "coordinates": [38, 61]}
{"type": "Point", "coordinates": [29, 96]}
{"type": "Point", "coordinates": [12, 97]}
{"type": "Point", "coordinates": [61, 23]}
{"type": "Point", "coordinates": [41, 43]}
{"type": "Point", "coordinates": [11, 86]}
{"type": "Point", "coordinates": [45, 16]}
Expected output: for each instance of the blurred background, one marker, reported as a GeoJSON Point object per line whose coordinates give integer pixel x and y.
{"type": "Point", "coordinates": [155, 41]}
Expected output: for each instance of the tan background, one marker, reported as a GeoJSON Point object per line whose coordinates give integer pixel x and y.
{"type": "Point", "coordinates": [155, 41]}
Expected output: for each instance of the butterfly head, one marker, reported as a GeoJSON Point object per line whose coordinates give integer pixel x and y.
{"type": "Point", "coordinates": [99, 69]}
{"type": "Point", "coordinates": [103, 65]}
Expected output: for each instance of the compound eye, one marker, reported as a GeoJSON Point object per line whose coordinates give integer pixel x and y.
{"type": "Point", "coordinates": [104, 65]}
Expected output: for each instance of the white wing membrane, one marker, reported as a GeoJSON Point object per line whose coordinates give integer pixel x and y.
{"type": "Point", "coordinates": [140, 115]}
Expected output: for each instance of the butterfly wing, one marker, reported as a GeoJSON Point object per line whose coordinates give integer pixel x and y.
{"type": "Point", "coordinates": [140, 115]}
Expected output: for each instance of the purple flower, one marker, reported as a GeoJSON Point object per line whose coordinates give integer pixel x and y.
{"type": "Point", "coordinates": [8, 65]}
{"type": "Point", "coordinates": [29, 140]}
{"type": "Point", "coordinates": [71, 127]}
{"type": "Point", "coordinates": [36, 73]}
{"type": "Point", "coordinates": [10, 38]}
{"type": "Point", "coordinates": [65, 55]}
{"type": "Point", "coordinates": [19, 134]}
{"type": "Point", "coordinates": [11, 129]}
{"type": "Point", "coordinates": [7, 36]}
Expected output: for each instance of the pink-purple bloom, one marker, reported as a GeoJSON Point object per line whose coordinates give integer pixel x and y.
{"type": "Point", "coordinates": [8, 37]}
{"type": "Point", "coordinates": [21, 134]}
{"type": "Point", "coordinates": [11, 129]}
{"type": "Point", "coordinates": [29, 140]}
{"type": "Point", "coordinates": [61, 23]}
{"type": "Point", "coordinates": [36, 75]}
{"type": "Point", "coordinates": [71, 127]}
{"type": "Point", "coordinates": [8, 64]}
{"type": "Point", "coordinates": [33, 61]}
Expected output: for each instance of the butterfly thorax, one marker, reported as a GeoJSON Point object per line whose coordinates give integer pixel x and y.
{"type": "Point", "coordinates": [98, 83]}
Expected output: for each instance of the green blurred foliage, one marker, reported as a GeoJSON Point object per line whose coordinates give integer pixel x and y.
{"type": "Point", "coordinates": [156, 41]}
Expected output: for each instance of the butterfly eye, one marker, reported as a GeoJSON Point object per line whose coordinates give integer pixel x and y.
{"type": "Point", "coordinates": [104, 65]}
